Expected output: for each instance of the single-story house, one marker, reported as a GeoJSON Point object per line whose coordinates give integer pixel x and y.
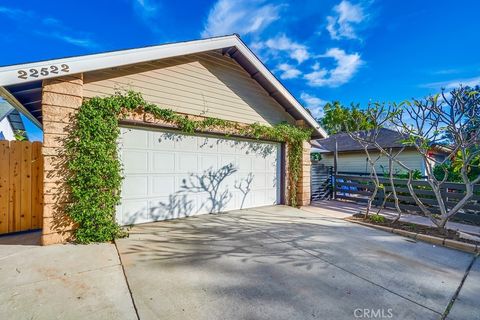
{"type": "Point", "coordinates": [352, 157]}
{"type": "Point", "coordinates": [10, 122]}
{"type": "Point", "coordinates": [166, 171]}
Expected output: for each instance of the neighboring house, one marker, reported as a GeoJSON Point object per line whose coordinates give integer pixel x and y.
{"type": "Point", "coordinates": [10, 122]}
{"type": "Point", "coordinates": [352, 157]}
{"type": "Point", "coordinates": [164, 169]}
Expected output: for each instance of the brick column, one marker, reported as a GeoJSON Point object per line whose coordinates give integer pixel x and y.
{"type": "Point", "coordinates": [303, 186]}
{"type": "Point", "coordinates": [61, 98]}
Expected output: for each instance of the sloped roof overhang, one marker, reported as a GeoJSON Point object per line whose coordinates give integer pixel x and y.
{"type": "Point", "coordinates": [25, 92]}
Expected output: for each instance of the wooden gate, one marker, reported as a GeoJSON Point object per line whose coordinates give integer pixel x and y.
{"type": "Point", "coordinates": [21, 186]}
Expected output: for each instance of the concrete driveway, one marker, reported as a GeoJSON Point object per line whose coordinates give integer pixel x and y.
{"type": "Point", "coordinates": [284, 263]}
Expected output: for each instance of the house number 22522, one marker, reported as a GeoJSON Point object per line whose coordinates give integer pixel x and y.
{"type": "Point", "coordinates": [43, 72]}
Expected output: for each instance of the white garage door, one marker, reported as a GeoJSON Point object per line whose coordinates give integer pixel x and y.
{"type": "Point", "coordinates": [170, 175]}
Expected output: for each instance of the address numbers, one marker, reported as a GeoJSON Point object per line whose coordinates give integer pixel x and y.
{"type": "Point", "coordinates": [45, 71]}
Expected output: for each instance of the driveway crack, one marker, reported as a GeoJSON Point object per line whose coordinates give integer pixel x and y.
{"type": "Point", "coordinates": [457, 292]}
{"type": "Point", "coordinates": [126, 280]}
{"type": "Point", "coordinates": [315, 255]}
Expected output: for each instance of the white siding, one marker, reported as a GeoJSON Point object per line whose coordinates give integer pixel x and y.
{"type": "Point", "coordinates": [207, 84]}
{"type": "Point", "coordinates": [357, 162]}
{"type": "Point", "coordinates": [6, 129]}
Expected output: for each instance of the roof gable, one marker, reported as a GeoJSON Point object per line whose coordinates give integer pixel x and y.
{"type": "Point", "coordinates": [25, 92]}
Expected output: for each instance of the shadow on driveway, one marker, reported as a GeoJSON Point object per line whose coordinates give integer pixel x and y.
{"type": "Point", "coordinates": [283, 263]}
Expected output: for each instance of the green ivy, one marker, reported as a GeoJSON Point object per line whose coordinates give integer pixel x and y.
{"type": "Point", "coordinates": [95, 172]}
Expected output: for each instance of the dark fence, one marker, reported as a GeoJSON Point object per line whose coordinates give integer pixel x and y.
{"type": "Point", "coordinates": [359, 188]}
{"type": "Point", "coordinates": [321, 182]}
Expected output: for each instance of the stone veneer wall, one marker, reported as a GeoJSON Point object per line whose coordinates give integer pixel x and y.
{"type": "Point", "coordinates": [303, 186]}
{"type": "Point", "coordinates": [61, 98]}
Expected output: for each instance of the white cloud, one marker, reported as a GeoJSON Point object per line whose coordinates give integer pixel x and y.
{"type": "Point", "coordinates": [242, 17]}
{"type": "Point", "coordinates": [48, 27]}
{"type": "Point", "coordinates": [314, 104]}
{"type": "Point", "coordinates": [282, 43]}
{"type": "Point", "coordinates": [288, 71]}
{"type": "Point", "coordinates": [84, 42]}
{"type": "Point", "coordinates": [347, 15]}
{"type": "Point", "coordinates": [346, 66]}
{"type": "Point", "coordinates": [295, 50]}
{"type": "Point", "coordinates": [146, 9]}
{"type": "Point", "coordinates": [452, 84]}
{"type": "Point", "coordinates": [14, 13]}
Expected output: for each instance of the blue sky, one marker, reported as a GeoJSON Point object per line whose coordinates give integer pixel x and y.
{"type": "Point", "coordinates": [352, 51]}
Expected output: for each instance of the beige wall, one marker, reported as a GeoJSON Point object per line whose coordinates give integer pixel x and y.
{"type": "Point", "coordinates": [356, 162]}
{"type": "Point", "coordinates": [207, 84]}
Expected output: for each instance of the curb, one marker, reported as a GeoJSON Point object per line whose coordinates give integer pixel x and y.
{"type": "Point", "coordinates": [452, 244]}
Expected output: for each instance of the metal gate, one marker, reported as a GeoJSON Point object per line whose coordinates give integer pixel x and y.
{"type": "Point", "coordinates": [321, 182]}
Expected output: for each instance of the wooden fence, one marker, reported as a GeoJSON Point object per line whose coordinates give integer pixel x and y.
{"type": "Point", "coordinates": [359, 189]}
{"type": "Point", "coordinates": [21, 186]}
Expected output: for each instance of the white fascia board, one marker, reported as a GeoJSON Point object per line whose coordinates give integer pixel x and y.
{"type": "Point", "coordinates": [273, 80]}
{"type": "Point", "coordinates": [80, 64]}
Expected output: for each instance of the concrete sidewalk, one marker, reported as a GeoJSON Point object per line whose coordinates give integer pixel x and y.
{"type": "Point", "coordinates": [61, 281]}
{"type": "Point", "coordinates": [344, 209]}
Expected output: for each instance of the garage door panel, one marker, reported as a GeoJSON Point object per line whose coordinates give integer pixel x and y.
{"type": "Point", "coordinates": [135, 161]}
{"type": "Point", "coordinates": [272, 162]}
{"type": "Point", "coordinates": [228, 160]}
{"type": "Point", "coordinates": [260, 165]}
{"type": "Point", "coordinates": [135, 186]}
{"type": "Point", "coordinates": [161, 185]}
{"type": "Point", "coordinates": [270, 197]}
{"type": "Point", "coordinates": [229, 203]}
{"type": "Point", "coordinates": [246, 201]}
{"type": "Point", "coordinates": [186, 143]}
{"type": "Point", "coordinates": [207, 145]}
{"type": "Point", "coordinates": [171, 207]}
{"type": "Point", "coordinates": [209, 161]}
{"type": "Point", "coordinates": [170, 175]}
{"type": "Point", "coordinates": [242, 147]}
{"type": "Point", "coordinates": [162, 140]}
{"type": "Point", "coordinates": [162, 162]}
{"type": "Point", "coordinates": [227, 146]}
{"type": "Point", "coordinates": [134, 139]}
{"type": "Point", "coordinates": [271, 181]}
{"type": "Point", "coordinates": [187, 162]}
{"type": "Point", "coordinates": [244, 164]}
{"type": "Point", "coordinates": [259, 181]}
{"type": "Point", "coordinates": [135, 211]}
{"type": "Point", "coordinates": [259, 197]}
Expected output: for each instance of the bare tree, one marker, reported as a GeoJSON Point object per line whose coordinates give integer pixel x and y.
{"type": "Point", "coordinates": [425, 123]}
{"type": "Point", "coordinates": [364, 139]}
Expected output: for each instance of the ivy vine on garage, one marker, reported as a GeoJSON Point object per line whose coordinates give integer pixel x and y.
{"type": "Point", "coordinates": [95, 171]}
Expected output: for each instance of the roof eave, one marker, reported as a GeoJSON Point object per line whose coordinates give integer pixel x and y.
{"type": "Point", "coordinates": [9, 74]}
